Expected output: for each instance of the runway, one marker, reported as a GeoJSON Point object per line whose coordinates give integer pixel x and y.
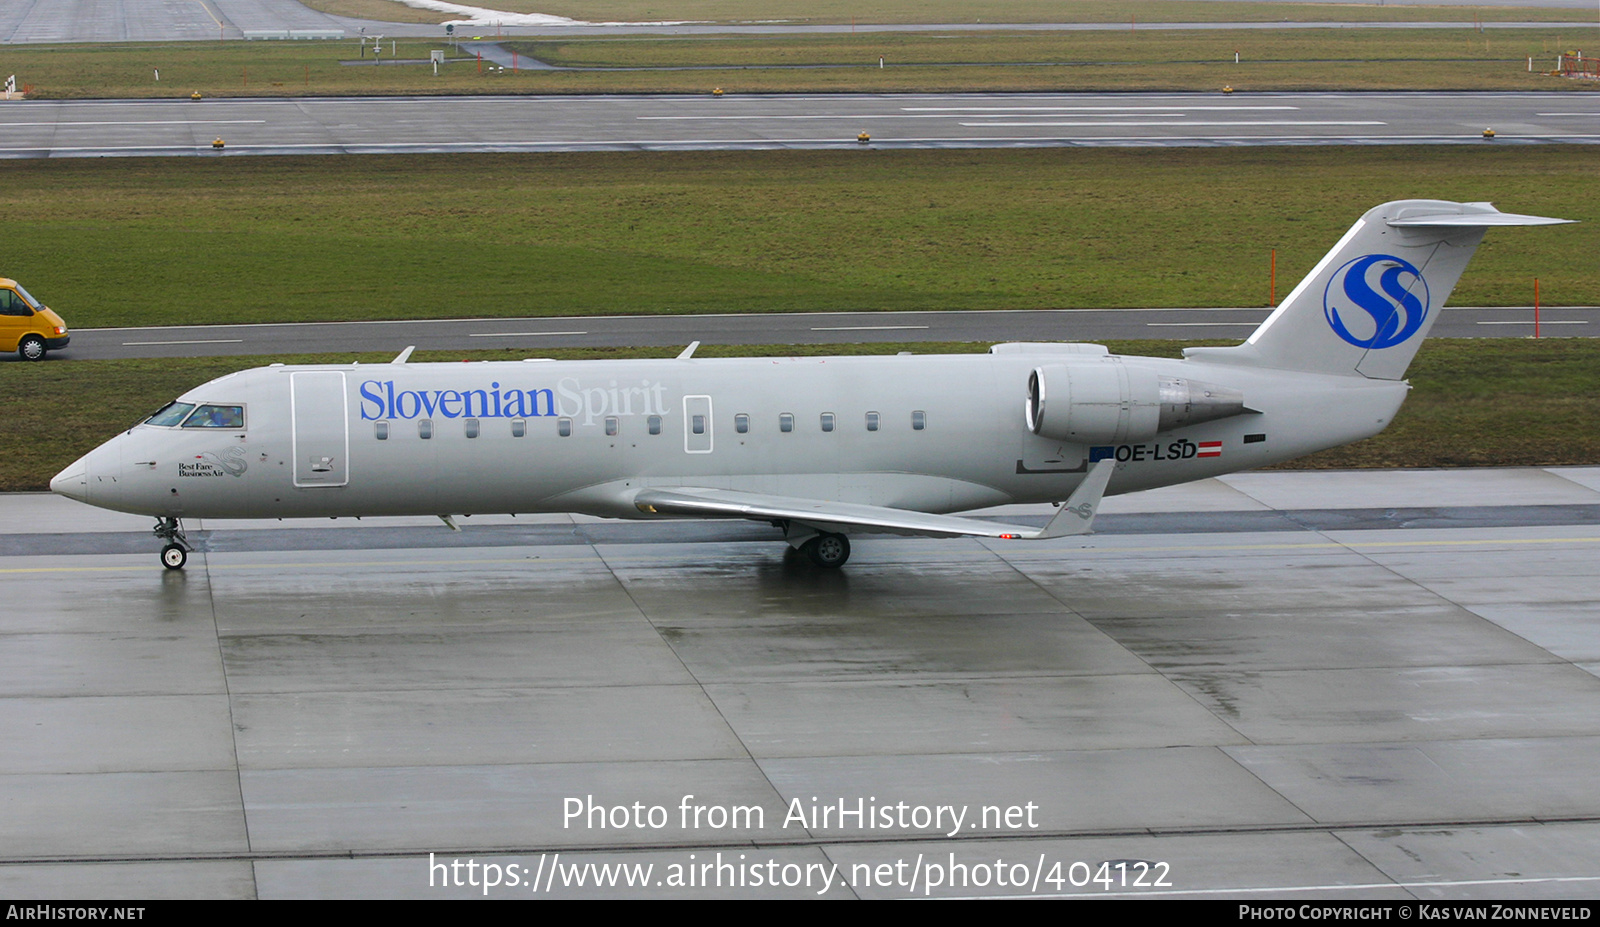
{"type": "Point", "coordinates": [1274, 685]}
{"type": "Point", "coordinates": [312, 125]}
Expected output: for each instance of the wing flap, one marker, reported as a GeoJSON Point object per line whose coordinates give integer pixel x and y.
{"type": "Point", "coordinates": [1075, 517]}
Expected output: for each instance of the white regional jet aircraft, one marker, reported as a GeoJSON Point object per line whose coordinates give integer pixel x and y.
{"type": "Point", "coordinates": [818, 447]}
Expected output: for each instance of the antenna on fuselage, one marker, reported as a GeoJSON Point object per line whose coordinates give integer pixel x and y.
{"type": "Point", "coordinates": [405, 355]}
{"type": "Point", "coordinates": [689, 351]}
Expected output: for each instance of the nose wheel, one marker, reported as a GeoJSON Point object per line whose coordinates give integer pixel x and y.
{"type": "Point", "coordinates": [176, 552]}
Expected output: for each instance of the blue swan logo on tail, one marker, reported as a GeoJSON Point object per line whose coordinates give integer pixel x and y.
{"type": "Point", "coordinates": [1397, 312]}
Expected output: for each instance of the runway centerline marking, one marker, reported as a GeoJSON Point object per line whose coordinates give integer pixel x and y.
{"type": "Point", "coordinates": [131, 344]}
{"type": "Point", "coordinates": [1197, 324]}
{"type": "Point", "coordinates": [1084, 109]}
{"type": "Point", "coordinates": [867, 328]}
{"type": "Point", "coordinates": [805, 116]}
{"type": "Point", "coordinates": [519, 334]}
{"type": "Point", "coordinates": [147, 122]}
{"type": "Point", "coordinates": [1266, 122]}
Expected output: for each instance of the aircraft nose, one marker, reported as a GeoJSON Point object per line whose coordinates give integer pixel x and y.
{"type": "Point", "coordinates": [73, 481]}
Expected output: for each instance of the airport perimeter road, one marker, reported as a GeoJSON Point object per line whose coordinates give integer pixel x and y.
{"type": "Point", "coordinates": [37, 129]}
{"type": "Point", "coordinates": [775, 328]}
{"type": "Point", "coordinates": [1282, 685]}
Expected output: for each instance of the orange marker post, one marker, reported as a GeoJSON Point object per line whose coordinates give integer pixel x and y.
{"type": "Point", "coordinates": [1535, 308]}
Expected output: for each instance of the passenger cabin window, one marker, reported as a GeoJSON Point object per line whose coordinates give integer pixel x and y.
{"type": "Point", "coordinates": [827, 421]}
{"type": "Point", "coordinates": [872, 421]}
{"type": "Point", "coordinates": [424, 428]}
{"type": "Point", "coordinates": [697, 424]}
{"type": "Point", "coordinates": [380, 430]}
{"type": "Point", "coordinates": [919, 420]}
{"type": "Point", "coordinates": [170, 414]}
{"type": "Point", "coordinates": [564, 427]}
{"type": "Point", "coordinates": [655, 424]}
{"type": "Point", "coordinates": [471, 426]}
{"type": "Point", "coordinates": [786, 422]}
{"type": "Point", "coordinates": [741, 423]}
{"type": "Point", "coordinates": [519, 427]}
{"type": "Point", "coordinates": [611, 426]}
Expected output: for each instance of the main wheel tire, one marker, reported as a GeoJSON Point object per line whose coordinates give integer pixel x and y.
{"type": "Point", "coordinates": [828, 551]}
{"type": "Point", "coordinates": [173, 556]}
{"type": "Point", "coordinates": [31, 348]}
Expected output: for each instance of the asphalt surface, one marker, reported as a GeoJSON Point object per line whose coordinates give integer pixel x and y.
{"type": "Point", "coordinates": [43, 129]}
{"type": "Point", "coordinates": [1310, 686]}
{"type": "Point", "coordinates": [536, 334]}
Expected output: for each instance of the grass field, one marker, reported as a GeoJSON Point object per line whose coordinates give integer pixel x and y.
{"type": "Point", "coordinates": [200, 240]}
{"type": "Point", "coordinates": [1110, 61]}
{"type": "Point", "coordinates": [1334, 59]}
{"type": "Point", "coordinates": [1488, 402]}
{"type": "Point", "coordinates": [960, 11]}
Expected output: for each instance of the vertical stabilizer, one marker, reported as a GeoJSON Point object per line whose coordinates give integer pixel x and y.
{"type": "Point", "coordinates": [1367, 305]}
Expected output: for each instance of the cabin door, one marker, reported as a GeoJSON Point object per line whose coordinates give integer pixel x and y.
{"type": "Point", "coordinates": [321, 443]}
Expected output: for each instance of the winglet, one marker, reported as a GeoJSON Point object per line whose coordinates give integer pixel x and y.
{"type": "Point", "coordinates": [1077, 513]}
{"type": "Point", "coordinates": [405, 355]}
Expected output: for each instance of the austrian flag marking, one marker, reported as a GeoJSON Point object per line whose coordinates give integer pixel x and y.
{"type": "Point", "coordinates": [1210, 449]}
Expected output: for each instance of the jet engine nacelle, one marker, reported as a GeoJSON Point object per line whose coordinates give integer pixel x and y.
{"type": "Point", "coordinates": [1116, 403]}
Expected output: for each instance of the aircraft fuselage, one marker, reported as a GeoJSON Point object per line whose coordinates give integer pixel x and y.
{"type": "Point", "coordinates": [931, 433]}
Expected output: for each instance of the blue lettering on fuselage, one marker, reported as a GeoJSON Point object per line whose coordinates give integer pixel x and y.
{"type": "Point", "coordinates": [380, 399]}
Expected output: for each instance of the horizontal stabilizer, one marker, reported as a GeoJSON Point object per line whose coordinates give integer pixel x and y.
{"type": "Point", "coordinates": [1477, 220]}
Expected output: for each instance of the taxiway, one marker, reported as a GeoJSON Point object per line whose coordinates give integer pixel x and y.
{"type": "Point", "coordinates": [536, 334]}
{"type": "Point", "coordinates": [1286, 685]}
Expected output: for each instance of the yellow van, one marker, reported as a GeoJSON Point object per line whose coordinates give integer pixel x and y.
{"type": "Point", "coordinates": [27, 326]}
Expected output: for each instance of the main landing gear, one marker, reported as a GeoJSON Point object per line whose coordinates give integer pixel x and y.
{"type": "Point", "coordinates": [829, 551]}
{"type": "Point", "coordinates": [822, 548]}
{"type": "Point", "coordinates": [176, 553]}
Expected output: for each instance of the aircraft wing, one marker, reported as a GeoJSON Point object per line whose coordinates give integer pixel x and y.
{"type": "Point", "coordinates": [1075, 517]}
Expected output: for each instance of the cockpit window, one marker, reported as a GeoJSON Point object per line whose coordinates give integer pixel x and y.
{"type": "Point", "coordinates": [170, 414]}
{"type": "Point", "coordinates": [216, 417]}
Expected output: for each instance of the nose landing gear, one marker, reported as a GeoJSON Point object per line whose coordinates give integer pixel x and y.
{"type": "Point", "coordinates": [176, 553]}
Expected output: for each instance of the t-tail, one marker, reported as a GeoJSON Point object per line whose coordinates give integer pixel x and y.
{"type": "Point", "coordinates": [1367, 305]}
